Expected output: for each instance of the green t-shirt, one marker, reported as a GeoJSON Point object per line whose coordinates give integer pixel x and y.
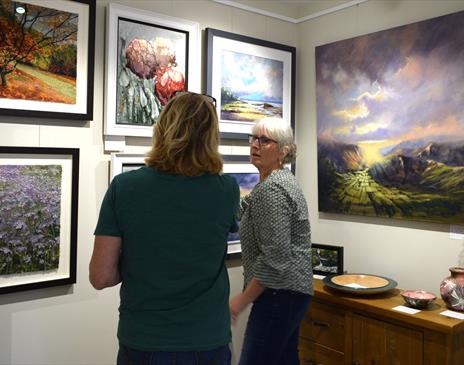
{"type": "Point", "coordinates": [175, 287]}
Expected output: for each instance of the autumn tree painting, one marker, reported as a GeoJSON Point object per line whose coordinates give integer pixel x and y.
{"type": "Point", "coordinates": [38, 53]}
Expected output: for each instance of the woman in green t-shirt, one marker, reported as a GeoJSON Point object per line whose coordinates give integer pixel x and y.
{"type": "Point", "coordinates": [162, 233]}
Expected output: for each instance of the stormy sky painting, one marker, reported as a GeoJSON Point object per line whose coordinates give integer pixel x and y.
{"type": "Point", "coordinates": [389, 99]}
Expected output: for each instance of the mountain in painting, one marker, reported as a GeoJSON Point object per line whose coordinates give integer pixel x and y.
{"type": "Point", "coordinates": [343, 156]}
{"type": "Point", "coordinates": [417, 180]}
{"type": "Point", "coordinates": [451, 154]}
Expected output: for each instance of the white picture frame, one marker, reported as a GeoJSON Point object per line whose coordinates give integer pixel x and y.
{"type": "Point", "coordinates": [122, 162]}
{"type": "Point", "coordinates": [156, 23]}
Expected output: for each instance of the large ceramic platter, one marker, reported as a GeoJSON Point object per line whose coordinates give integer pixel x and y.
{"type": "Point", "coordinates": [360, 283]}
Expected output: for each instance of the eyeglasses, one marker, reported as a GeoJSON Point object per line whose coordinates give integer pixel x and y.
{"type": "Point", "coordinates": [262, 141]}
{"type": "Point", "coordinates": [211, 99]}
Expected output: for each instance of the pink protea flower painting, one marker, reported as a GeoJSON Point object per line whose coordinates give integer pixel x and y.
{"type": "Point", "coordinates": [164, 52]}
{"type": "Point", "coordinates": [152, 66]}
{"type": "Point", "coordinates": [141, 58]}
{"type": "Point", "coordinates": [168, 82]}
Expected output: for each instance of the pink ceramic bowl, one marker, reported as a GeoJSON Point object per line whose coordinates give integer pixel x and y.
{"type": "Point", "coordinates": [418, 298]}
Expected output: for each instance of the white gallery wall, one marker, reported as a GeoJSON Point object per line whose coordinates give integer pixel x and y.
{"type": "Point", "coordinates": [77, 325]}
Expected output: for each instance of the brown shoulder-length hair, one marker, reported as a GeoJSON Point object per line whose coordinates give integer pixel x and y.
{"type": "Point", "coordinates": [186, 137]}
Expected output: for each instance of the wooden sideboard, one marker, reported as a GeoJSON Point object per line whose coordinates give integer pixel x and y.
{"type": "Point", "coordinates": [344, 329]}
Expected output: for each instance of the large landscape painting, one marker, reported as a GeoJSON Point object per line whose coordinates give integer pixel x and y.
{"type": "Point", "coordinates": [390, 122]}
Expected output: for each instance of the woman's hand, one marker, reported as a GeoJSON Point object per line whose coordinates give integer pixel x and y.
{"type": "Point", "coordinates": [237, 305]}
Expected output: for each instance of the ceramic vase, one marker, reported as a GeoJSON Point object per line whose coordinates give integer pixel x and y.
{"type": "Point", "coordinates": [452, 289]}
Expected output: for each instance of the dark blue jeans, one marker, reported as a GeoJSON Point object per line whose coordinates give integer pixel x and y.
{"type": "Point", "coordinates": [128, 356]}
{"type": "Point", "coordinates": [271, 336]}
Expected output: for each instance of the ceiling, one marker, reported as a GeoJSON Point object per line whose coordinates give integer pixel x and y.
{"type": "Point", "coordinates": [294, 11]}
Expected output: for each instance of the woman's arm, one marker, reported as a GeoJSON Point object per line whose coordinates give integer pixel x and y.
{"type": "Point", "coordinates": [104, 264]}
{"type": "Point", "coordinates": [238, 303]}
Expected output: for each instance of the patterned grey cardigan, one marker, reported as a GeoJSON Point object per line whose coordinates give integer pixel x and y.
{"type": "Point", "coordinates": [275, 234]}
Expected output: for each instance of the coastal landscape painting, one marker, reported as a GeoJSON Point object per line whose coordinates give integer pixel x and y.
{"type": "Point", "coordinates": [390, 122]}
{"type": "Point", "coordinates": [251, 79]}
{"type": "Point", "coordinates": [251, 87]}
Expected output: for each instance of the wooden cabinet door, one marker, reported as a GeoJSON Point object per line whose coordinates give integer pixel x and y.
{"type": "Point", "coordinates": [324, 325]}
{"type": "Point", "coordinates": [312, 353]}
{"type": "Point", "coordinates": [380, 343]}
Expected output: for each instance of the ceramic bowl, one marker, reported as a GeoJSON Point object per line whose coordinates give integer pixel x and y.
{"type": "Point", "coordinates": [360, 284]}
{"type": "Point", "coordinates": [418, 298]}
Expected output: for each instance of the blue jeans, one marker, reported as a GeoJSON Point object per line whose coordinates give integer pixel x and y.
{"type": "Point", "coordinates": [271, 336]}
{"type": "Point", "coordinates": [218, 356]}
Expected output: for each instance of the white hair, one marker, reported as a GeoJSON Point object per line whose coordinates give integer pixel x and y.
{"type": "Point", "coordinates": [280, 131]}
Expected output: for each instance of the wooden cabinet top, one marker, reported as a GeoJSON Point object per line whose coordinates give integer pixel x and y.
{"type": "Point", "coordinates": [382, 304]}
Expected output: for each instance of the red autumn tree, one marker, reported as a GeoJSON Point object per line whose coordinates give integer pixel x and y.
{"type": "Point", "coordinates": [37, 31]}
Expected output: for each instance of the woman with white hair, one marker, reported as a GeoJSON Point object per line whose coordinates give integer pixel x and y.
{"type": "Point", "coordinates": [276, 251]}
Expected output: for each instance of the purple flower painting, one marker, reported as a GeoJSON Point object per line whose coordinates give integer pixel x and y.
{"type": "Point", "coordinates": [29, 218]}
{"type": "Point", "coordinates": [390, 122]}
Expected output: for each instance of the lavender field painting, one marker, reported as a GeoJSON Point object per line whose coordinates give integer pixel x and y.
{"type": "Point", "coordinates": [246, 182]}
{"type": "Point", "coordinates": [390, 122]}
{"type": "Point", "coordinates": [29, 218]}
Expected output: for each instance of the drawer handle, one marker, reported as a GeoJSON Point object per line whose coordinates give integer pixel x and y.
{"type": "Point", "coordinates": [310, 362]}
{"type": "Point", "coordinates": [320, 324]}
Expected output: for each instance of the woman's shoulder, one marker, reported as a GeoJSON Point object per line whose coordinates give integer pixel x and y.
{"type": "Point", "coordinates": [283, 178]}
{"type": "Point", "coordinates": [132, 174]}
{"type": "Point", "coordinates": [228, 181]}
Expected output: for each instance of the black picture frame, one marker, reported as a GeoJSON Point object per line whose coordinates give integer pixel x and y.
{"type": "Point", "coordinates": [50, 213]}
{"type": "Point", "coordinates": [258, 49]}
{"type": "Point", "coordinates": [331, 260]}
{"type": "Point", "coordinates": [82, 109]}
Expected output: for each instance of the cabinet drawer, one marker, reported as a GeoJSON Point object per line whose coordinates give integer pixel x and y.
{"type": "Point", "coordinates": [313, 354]}
{"type": "Point", "coordinates": [324, 325]}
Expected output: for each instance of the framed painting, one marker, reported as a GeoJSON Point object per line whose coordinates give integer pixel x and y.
{"type": "Point", "coordinates": [38, 217]}
{"type": "Point", "coordinates": [47, 58]}
{"type": "Point", "coordinates": [390, 129]}
{"type": "Point", "coordinates": [123, 162]}
{"type": "Point", "coordinates": [149, 57]}
{"type": "Point", "coordinates": [250, 79]}
{"type": "Point", "coordinates": [327, 259]}
{"type": "Point", "coordinates": [247, 176]}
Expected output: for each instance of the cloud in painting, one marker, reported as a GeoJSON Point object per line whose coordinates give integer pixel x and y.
{"type": "Point", "coordinates": [401, 84]}
{"type": "Point", "coordinates": [252, 77]}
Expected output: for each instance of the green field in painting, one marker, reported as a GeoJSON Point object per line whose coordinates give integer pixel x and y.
{"type": "Point", "coordinates": [439, 198]}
